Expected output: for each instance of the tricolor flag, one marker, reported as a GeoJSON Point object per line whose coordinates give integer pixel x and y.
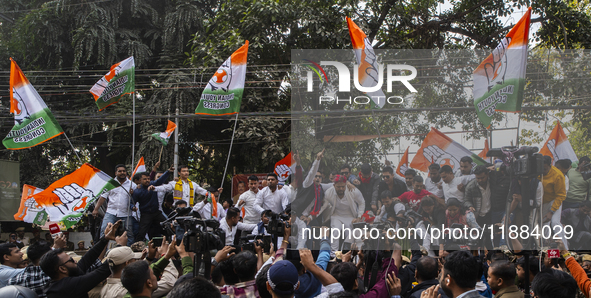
{"type": "Point", "coordinates": [29, 210]}
{"type": "Point", "coordinates": [557, 146]}
{"type": "Point", "coordinates": [120, 80]}
{"type": "Point", "coordinates": [66, 199]}
{"type": "Point", "coordinates": [33, 121]}
{"type": "Point", "coordinates": [499, 80]}
{"type": "Point", "coordinates": [140, 168]}
{"type": "Point", "coordinates": [482, 153]}
{"type": "Point", "coordinates": [441, 149]}
{"type": "Point", "coordinates": [283, 167]}
{"type": "Point", "coordinates": [403, 164]}
{"type": "Point", "coordinates": [163, 137]}
{"type": "Point", "coordinates": [223, 93]}
{"type": "Point", "coordinates": [367, 71]}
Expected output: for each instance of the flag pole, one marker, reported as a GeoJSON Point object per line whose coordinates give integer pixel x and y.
{"type": "Point", "coordinates": [133, 132]}
{"type": "Point", "coordinates": [231, 142]}
{"type": "Point", "coordinates": [518, 123]}
{"type": "Point", "coordinates": [160, 158]}
{"type": "Point", "coordinates": [176, 145]}
{"type": "Point", "coordinates": [379, 136]}
{"type": "Point", "coordinates": [80, 160]}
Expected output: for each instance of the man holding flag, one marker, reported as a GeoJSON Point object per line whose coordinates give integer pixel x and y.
{"type": "Point", "coordinates": [118, 203]}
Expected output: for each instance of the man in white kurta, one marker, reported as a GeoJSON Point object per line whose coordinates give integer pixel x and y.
{"type": "Point", "coordinates": [342, 206]}
{"type": "Point", "coordinates": [271, 197]}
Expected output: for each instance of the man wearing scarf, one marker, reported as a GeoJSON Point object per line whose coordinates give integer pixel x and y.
{"type": "Point", "coordinates": [185, 189]}
{"type": "Point", "coordinates": [342, 206]}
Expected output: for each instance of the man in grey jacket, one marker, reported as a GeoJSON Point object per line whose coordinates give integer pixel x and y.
{"type": "Point", "coordinates": [477, 197]}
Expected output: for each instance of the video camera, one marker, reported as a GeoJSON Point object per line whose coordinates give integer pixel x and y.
{"type": "Point", "coordinates": [278, 223]}
{"type": "Point", "coordinates": [202, 235]}
{"type": "Point", "coordinates": [246, 244]}
{"type": "Point", "coordinates": [521, 162]}
{"type": "Point", "coordinates": [409, 216]}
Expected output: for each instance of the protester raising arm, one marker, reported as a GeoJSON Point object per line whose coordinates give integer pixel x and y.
{"type": "Point", "coordinates": [576, 270]}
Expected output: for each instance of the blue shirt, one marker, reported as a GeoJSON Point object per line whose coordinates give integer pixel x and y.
{"type": "Point", "coordinates": [148, 199]}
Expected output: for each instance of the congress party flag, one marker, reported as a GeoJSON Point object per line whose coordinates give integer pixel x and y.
{"type": "Point", "coordinates": [140, 168]}
{"type": "Point", "coordinates": [367, 65]}
{"type": "Point", "coordinates": [33, 121]}
{"type": "Point", "coordinates": [484, 151]}
{"type": "Point", "coordinates": [441, 149]}
{"type": "Point", "coordinates": [223, 93]}
{"type": "Point", "coordinates": [29, 210]}
{"type": "Point", "coordinates": [557, 146]}
{"type": "Point", "coordinates": [499, 80]}
{"type": "Point", "coordinates": [403, 164]}
{"type": "Point", "coordinates": [120, 80]}
{"type": "Point", "coordinates": [283, 167]}
{"type": "Point", "coordinates": [66, 199]}
{"type": "Point", "coordinates": [163, 137]}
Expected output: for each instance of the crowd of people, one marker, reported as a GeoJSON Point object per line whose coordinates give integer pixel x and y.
{"type": "Point", "coordinates": [259, 247]}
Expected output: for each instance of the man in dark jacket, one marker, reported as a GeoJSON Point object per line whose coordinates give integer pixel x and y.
{"type": "Point", "coordinates": [368, 185]}
{"type": "Point", "coordinates": [426, 276]}
{"type": "Point", "coordinates": [580, 220]}
{"type": "Point", "coordinates": [395, 186]}
{"type": "Point", "coordinates": [70, 279]}
{"type": "Point", "coordinates": [148, 199]}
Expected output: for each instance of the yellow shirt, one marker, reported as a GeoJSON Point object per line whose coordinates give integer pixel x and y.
{"type": "Point", "coordinates": [554, 188]}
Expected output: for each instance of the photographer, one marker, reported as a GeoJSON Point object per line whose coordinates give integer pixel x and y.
{"type": "Point", "coordinates": [231, 223]}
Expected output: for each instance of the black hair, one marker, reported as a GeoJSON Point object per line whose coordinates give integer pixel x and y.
{"type": "Point", "coordinates": [227, 268]}
{"type": "Point", "coordinates": [388, 169]}
{"type": "Point", "coordinates": [385, 194]}
{"type": "Point", "coordinates": [554, 283]}
{"type": "Point", "coordinates": [346, 274]}
{"type": "Point", "coordinates": [272, 175]}
{"type": "Point", "coordinates": [446, 169]}
{"type": "Point", "coordinates": [50, 261]}
{"type": "Point", "coordinates": [168, 197]}
{"type": "Point", "coordinates": [253, 178]}
{"type": "Point", "coordinates": [267, 213]}
{"type": "Point", "coordinates": [564, 163]}
{"type": "Point", "coordinates": [410, 172]}
{"type": "Point", "coordinates": [534, 264]}
{"type": "Point", "coordinates": [466, 159]}
{"type": "Point", "coordinates": [586, 204]}
{"type": "Point", "coordinates": [159, 172]}
{"type": "Point", "coordinates": [261, 282]}
{"type": "Point", "coordinates": [504, 270]}
{"type": "Point", "coordinates": [479, 169]}
{"type": "Point", "coordinates": [496, 255]}
{"type": "Point", "coordinates": [584, 159]}
{"type": "Point", "coordinates": [232, 212]}
{"type": "Point", "coordinates": [245, 265]}
{"type": "Point", "coordinates": [418, 179]}
{"type": "Point", "coordinates": [345, 166]}
{"type": "Point", "coordinates": [179, 202]}
{"type": "Point", "coordinates": [120, 166]}
{"type": "Point", "coordinates": [427, 268]}
{"type": "Point", "coordinates": [195, 287]}
{"type": "Point", "coordinates": [134, 276]}
{"type": "Point", "coordinates": [37, 249]}
{"type": "Point", "coordinates": [434, 166]}
{"type": "Point", "coordinates": [463, 268]}
{"type": "Point", "coordinates": [138, 176]}
{"type": "Point", "coordinates": [453, 202]}
{"type": "Point", "coordinates": [216, 275]}
{"type": "Point", "coordinates": [547, 160]}
{"type": "Point", "coordinates": [241, 182]}
{"type": "Point", "coordinates": [6, 249]}
{"type": "Point", "coordinates": [183, 167]}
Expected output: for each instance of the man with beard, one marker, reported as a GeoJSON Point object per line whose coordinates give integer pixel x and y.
{"type": "Point", "coordinates": [459, 277]}
{"type": "Point", "coordinates": [368, 186]}
{"type": "Point", "coordinates": [433, 182]}
{"type": "Point", "coordinates": [119, 203]}
{"type": "Point", "coordinates": [501, 278]}
{"type": "Point", "coordinates": [147, 197]}
{"type": "Point", "coordinates": [413, 198]}
{"type": "Point", "coordinates": [231, 223]}
{"type": "Point", "coordinates": [139, 279]}
{"type": "Point", "coordinates": [271, 197]}
{"type": "Point", "coordinates": [70, 279]}
{"type": "Point", "coordinates": [390, 183]}
{"type": "Point", "coordinates": [342, 206]}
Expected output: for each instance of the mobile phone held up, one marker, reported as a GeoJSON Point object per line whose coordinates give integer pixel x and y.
{"type": "Point", "coordinates": [157, 241]}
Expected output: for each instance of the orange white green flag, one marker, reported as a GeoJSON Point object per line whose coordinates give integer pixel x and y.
{"type": "Point", "coordinates": [223, 93]}
{"type": "Point", "coordinates": [120, 80]}
{"type": "Point", "coordinates": [163, 137]}
{"type": "Point", "coordinates": [441, 149]}
{"type": "Point", "coordinates": [499, 80]}
{"type": "Point", "coordinates": [140, 168]}
{"type": "Point", "coordinates": [29, 210]}
{"type": "Point", "coordinates": [557, 146]}
{"type": "Point", "coordinates": [484, 151]}
{"type": "Point", "coordinates": [403, 164]}
{"type": "Point", "coordinates": [66, 199]}
{"type": "Point", "coordinates": [365, 72]}
{"type": "Point", "coordinates": [33, 121]}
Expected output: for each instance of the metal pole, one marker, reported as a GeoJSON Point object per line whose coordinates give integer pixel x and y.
{"type": "Point", "coordinates": [80, 160]}
{"type": "Point", "coordinates": [230, 151]}
{"type": "Point", "coordinates": [518, 123]}
{"type": "Point", "coordinates": [176, 145]}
